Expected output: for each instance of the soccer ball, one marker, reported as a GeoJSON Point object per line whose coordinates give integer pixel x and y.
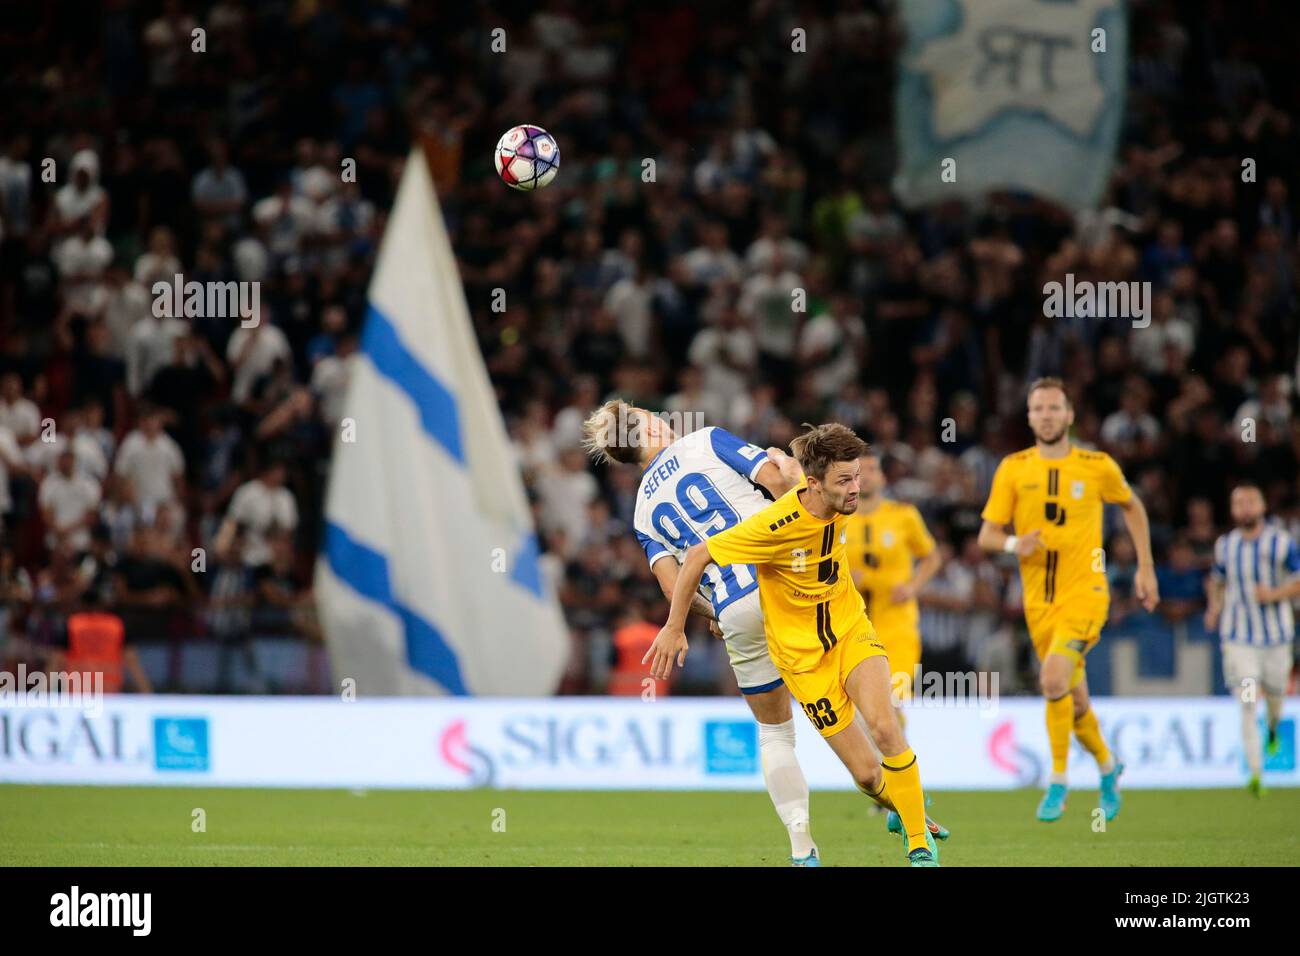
{"type": "Point", "coordinates": [527, 158]}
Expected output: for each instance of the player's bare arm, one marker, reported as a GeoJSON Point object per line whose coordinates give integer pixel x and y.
{"type": "Point", "coordinates": [994, 537]}
{"type": "Point", "coordinates": [671, 640]}
{"type": "Point", "coordinates": [1213, 602]}
{"type": "Point", "coordinates": [666, 572]}
{"type": "Point", "coordinates": [1283, 592]}
{"type": "Point", "coordinates": [1145, 588]}
{"type": "Point", "coordinates": [926, 568]}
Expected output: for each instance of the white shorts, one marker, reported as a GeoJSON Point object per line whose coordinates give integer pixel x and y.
{"type": "Point", "coordinates": [742, 629]}
{"type": "Point", "coordinates": [1267, 667]}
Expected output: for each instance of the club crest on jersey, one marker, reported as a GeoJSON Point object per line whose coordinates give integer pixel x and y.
{"type": "Point", "coordinates": [844, 537]}
{"type": "Point", "coordinates": [887, 539]}
{"type": "Point", "coordinates": [1076, 490]}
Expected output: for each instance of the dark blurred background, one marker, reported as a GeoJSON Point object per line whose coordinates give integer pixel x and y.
{"type": "Point", "coordinates": [772, 172]}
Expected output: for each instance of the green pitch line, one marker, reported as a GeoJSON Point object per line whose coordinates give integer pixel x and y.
{"type": "Point", "coordinates": [109, 826]}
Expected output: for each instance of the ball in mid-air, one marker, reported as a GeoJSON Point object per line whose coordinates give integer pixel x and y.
{"type": "Point", "coordinates": [527, 158]}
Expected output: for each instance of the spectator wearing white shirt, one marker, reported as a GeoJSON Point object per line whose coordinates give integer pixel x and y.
{"type": "Point", "coordinates": [329, 379]}
{"type": "Point", "coordinates": [833, 346]}
{"type": "Point", "coordinates": [20, 415]}
{"type": "Point", "coordinates": [69, 504]}
{"type": "Point", "coordinates": [258, 509]}
{"type": "Point", "coordinates": [287, 219]}
{"type": "Point", "coordinates": [1130, 433]}
{"type": "Point", "coordinates": [82, 197]}
{"type": "Point", "coordinates": [82, 259]}
{"type": "Point", "coordinates": [70, 434]}
{"type": "Point", "coordinates": [768, 299]}
{"type": "Point", "coordinates": [712, 259]}
{"type": "Point", "coordinates": [252, 353]}
{"type": "Point", "coordinates": [151, 461]}
{"type": "Point", "coordinates": [727, 352]}
{"type": "Point", "coordinates": [219, 192]}
{"type": "Point", "coordinates": [159, 262]}
{"type": "Point", "coordinates": [122, 302]}
{"type": "Point", "coordinates": [151, 345]}
{"type": "Point", "coordinates": [775, 237]}
{"type": "Point", "coordinates": [11, 464]}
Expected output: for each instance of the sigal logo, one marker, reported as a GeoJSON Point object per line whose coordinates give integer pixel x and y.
{"type": "Point", "coordinates": [458, 753]}
{"type": "Point", "coordinates": [1021, 762]}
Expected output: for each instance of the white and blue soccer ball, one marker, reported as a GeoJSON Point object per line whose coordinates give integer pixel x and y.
{"type": "Point", "coordinates": [527, 158]}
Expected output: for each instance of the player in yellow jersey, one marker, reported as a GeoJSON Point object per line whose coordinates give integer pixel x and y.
{"type": "Point", "coordinates": [818, 632]}
{"type": "Point", "coordinates": [891, 557]}
{"type": "Point", "coordinates": [1052, 496]}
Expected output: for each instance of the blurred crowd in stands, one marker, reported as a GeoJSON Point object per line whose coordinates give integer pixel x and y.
{"type": "Point", "coordinates": [173, 468]}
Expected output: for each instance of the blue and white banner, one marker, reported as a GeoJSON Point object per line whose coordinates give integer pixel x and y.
{"type": "Point", "coordinates": [1021, 95]}
{"type": "Point", "coordinates": [428, 580]}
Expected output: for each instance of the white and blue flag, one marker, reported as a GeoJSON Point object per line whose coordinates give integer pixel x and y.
{"type": "Point", "coordinates": [428, 580]}
{"type": "Point", "coordinates": [1271, 558]}
{"type": "Point", "coordinates": [1017, 93]}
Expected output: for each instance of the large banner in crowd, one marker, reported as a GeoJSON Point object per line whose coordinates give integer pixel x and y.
{"type": "Point", "coordinates": [585, 743]}
{"type": "Point", "coordinates": [428, 581]}
{"type": "Point", "coordinates": [1022, 95]}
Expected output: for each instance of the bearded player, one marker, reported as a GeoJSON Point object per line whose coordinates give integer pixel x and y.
{"type": "Point", "coordinates": [1052, 497]}
{"type": "Point", "coordinates": [1255, 575]}
{"type": "Point", "coordinates": [818, 633]}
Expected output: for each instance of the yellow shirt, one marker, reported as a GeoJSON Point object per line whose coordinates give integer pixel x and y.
{"type": "Point", "coordinates": [884, 547]}
{"type": "Point", "coordinates": [809, 601]}
{"type": "Point", "coordinates": [1063, 499]}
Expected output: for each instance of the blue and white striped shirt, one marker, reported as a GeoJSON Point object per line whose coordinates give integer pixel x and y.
{"type": "Point", "coordinates": [1242, 564]}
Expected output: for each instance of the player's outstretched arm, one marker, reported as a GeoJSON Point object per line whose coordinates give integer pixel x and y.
{"type": "Point", "coordinates": [1145, 588]}
{"type": "Point", "coordinates": [994, 537]}
{"type": "Point", "coordinates": [665, 572]}
{"type": "Point", "coordinates": [671, 641]}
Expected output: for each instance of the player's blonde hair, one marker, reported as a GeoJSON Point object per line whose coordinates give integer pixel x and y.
{"type": "Point", "coordinates": [1049, 381]}
{"type": "Point", "coordinates": [823, 445]}
{"type": "Point", "coordinates": [605, 434]}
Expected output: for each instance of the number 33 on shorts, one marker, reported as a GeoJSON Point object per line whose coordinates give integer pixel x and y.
{"type": "Point", "coordinates": [821, 713]}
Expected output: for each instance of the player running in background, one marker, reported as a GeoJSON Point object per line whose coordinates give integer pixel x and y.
{"type": "Point", "coordinates": [817, 629]}
{"type": "Point", "coordinates": [1052, 495]}
{"type": "Point", "coordinates": [891, 557]}
{"type": "Point", "coordinates": [693, 487]}
{"type": "Point", "coordinates": [1249, 593]}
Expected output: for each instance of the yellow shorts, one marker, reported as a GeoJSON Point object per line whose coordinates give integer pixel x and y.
{"type": "Point", "coordinates": [1072, 628]}
{"type": "Point", "coordinates": [820, 691]}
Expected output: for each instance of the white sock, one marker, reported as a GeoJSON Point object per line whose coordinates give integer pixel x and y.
{"type": "Point", "coordinates": [1250, 739]}
{"type": "Point", "coordinates": [786, 784]}
{"type": "Point", "coordinates": [1108, 766]}
{"type": "Point", "coordinates": [1058, 778]}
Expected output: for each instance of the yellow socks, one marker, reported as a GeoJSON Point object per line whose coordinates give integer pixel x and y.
{"type": "Point", "coordinates": [1088, 731]}
{"type": "Point", "coordinates": [1060, 720]}
{"type": "Point", "coordinates": [903, 785]}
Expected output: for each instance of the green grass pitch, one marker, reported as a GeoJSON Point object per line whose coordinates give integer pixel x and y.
{"type": "Point", "coordinates": [149, 826]}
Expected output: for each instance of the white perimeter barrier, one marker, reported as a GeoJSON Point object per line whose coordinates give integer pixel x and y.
{"type": "Point", "coordinates": [583, 743]}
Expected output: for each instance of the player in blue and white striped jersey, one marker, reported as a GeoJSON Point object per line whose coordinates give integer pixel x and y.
{"type": "Point", "coordinates": [1256, 573]}
{"type": "Point", "coordinates": [692, 487]}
